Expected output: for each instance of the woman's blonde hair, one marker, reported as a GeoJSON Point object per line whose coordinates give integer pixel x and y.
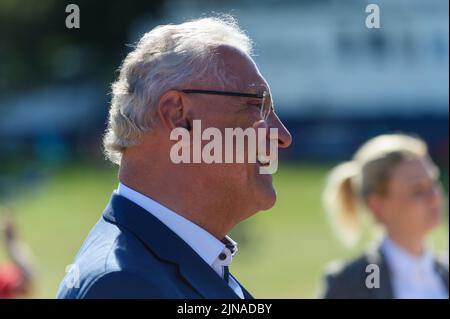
{"type": "Point", "coordinates": [350, 183]}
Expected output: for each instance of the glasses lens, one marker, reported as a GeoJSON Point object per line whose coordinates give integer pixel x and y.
{"type": "Point", "coordinates": [266, 105]}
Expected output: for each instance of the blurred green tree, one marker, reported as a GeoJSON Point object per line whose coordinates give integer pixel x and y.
{"type": "Point", "coordinates": [36, 47]}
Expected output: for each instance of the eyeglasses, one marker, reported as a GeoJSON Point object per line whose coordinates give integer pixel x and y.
{"type": "Point", "coordinates": [266, 103]}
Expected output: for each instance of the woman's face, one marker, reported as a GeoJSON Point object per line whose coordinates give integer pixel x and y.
{"type": "Point", "coordinates": [413, 201]}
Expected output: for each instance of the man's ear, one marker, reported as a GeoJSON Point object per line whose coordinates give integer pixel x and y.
{"type": "Point", "coordinates": [172, 110]}
{"type": "Point", "coordinates": [375, 203]}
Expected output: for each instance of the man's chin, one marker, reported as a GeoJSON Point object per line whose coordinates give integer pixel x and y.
{"type": "Point", "coordinates": [268, 198]}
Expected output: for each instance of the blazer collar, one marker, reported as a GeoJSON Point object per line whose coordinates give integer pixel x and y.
{"type": "Point", "coordinates": [376, 256]}
{"type": "Point", "coordinates": [385, 291]}
{"type": "Point", "coordinates": [168, 246]}
{"type": "Point", "coordinates": [247, 295]}
{"type": "Point", "coordinates": [442, 269]}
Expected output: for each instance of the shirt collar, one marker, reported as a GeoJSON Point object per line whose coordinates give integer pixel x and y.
{"type": "Point", "coordinates": [402, 262]}
{"type": "Point", "coordinates": [230, 244]}
{"type": "Point", "coordinates": [202, 242]}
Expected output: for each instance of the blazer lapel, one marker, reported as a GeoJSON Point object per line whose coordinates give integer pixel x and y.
{"type": "Point", "coordinates": [204, 280]}
{"type": "Point", "coordinates": [168, 246]}
{"type": "Point", "coordinates": [247, 295]}
{"type": "Point", "coordinates": [386, 291]}
{"type": "Point", "coordinates": [442, 270]}
{"type": "Point", "coordinates": [375, 256]}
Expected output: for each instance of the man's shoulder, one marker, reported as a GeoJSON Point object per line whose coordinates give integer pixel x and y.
{"type": "Point", "coordinates": [121, 284]}
{"type": "Point", "coordinates": [111, 247]}
{"type": "Point", "coordinates": [110, 260]}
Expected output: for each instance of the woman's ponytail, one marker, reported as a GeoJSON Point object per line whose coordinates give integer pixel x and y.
{"type": "Point", "coordinates": [340, 199]}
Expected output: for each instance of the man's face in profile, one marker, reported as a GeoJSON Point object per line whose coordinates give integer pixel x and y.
{"type": "Point", "coordinates": [237, 181]}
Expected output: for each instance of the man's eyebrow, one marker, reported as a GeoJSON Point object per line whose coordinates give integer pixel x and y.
{"type": "Point", "coordinates": [256, 89]}
{"type": "Point", "coordinates": [253, 90]}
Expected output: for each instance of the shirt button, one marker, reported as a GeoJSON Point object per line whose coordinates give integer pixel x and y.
{"type": "Point", "coordinates": [222, 256]}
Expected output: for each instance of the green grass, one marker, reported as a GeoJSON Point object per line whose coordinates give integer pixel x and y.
{"type": "Point", "coordinates": [282, 251]}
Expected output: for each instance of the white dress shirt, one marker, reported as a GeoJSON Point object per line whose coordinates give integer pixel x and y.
{"type": "Point", "coordinates": [413, 277]}
{"type": "Point", "coordinates": [203, 243]}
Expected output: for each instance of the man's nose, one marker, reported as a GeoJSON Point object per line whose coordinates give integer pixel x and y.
{"type": "Point", "coordinates": [284, 137]}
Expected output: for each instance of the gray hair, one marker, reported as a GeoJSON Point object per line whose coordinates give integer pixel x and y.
{"type": "Point", "coordinates": [164, 58]}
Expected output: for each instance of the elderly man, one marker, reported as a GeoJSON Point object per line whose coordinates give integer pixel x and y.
{"type": "Point", "coordinates": [164, 231]}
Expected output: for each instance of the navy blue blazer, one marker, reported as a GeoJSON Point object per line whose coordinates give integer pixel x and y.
{"type": "Point", "coordinates": [130, 254]}
{"type": "Point", "coordinates": [347, 281]}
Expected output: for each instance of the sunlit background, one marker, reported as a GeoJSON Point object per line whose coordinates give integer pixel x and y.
{"type": "Point", "coordinates": [335, 84]}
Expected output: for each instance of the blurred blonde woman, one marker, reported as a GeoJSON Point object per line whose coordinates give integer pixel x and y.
{"type": "Point", "coordinates": [393, 178]}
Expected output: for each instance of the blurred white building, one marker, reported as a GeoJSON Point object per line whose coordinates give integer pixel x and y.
{"type": "Point", "coordinates": [320, 58]}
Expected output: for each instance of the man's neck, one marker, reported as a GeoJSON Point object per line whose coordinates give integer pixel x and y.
{"type": "Point", "coordinates": [199, 206]}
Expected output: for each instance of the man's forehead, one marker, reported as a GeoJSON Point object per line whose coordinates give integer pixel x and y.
{"type": "Point", "coordinates": [241, 70]}
{"type": "Point", "coordinates": [247, 82]}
